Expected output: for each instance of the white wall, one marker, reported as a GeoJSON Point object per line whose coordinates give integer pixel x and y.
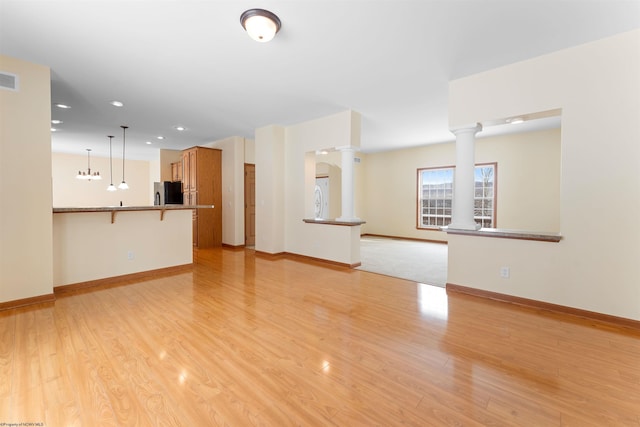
{"type": "Point", "coordinates": [528, 183]}
{"type": "Point", "coordinates": [26, 258]}
{"type": "Point", "coordinates": [285, 179]}
{"type": "Point", "coordinates": [595, 267]}
{"type": "Point", "coordinates": [166, 157]}
{"type": "Point", "coordinates": [154, 176]}
{"type": "Point", "coordinates": [71, 192]}
{"type": "Point", "coordinates": [250, 151]}
{"type": "Point", "coordinates": [270, 189]}
{"type": "Point", "coordinates": [87, 246]}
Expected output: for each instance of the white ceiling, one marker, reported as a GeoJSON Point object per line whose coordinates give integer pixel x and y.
{"type": "Point", "coordinates": [190, 63]}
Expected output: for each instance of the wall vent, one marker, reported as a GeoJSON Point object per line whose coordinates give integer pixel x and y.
{"type": "Point", "coordinates": [8, 81]}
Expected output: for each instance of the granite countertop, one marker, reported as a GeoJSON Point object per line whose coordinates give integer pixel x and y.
{"type": "Point", "coordinates": [113, 210]}
{"type": "Point", "coordinates": [128, 208]}
{"type": "Point", "coordinates": [507, 234]}
{"type": "Point", "coordinates": [333, 222]}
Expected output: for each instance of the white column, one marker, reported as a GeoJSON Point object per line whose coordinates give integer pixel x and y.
{"type": "Point", "coordinates": [464, 181]}
{"type": "Point", "coordinates": [348, 202]}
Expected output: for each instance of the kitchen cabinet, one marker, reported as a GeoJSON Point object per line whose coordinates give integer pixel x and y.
{"type": "Point", "coordinates": [176, 171]}
{"type": "Point", "coordinates": [202, 185]}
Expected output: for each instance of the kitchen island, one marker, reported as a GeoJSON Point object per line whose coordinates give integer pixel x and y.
{"type": "Point", "coordinates": [92, 245]}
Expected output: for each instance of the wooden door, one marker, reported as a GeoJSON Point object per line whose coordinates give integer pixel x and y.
{"type": "Point", "coordinates": [249, 204]}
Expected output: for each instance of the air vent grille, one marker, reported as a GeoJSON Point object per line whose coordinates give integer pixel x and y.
{"type": "Point", "coordinates": [8, 81]}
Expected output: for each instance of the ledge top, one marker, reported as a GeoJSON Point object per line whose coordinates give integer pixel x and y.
{"type": "Point", "coordinates": [507, 234]}
{"type": "Point", "coordinates": [333, 222]}
{"type": "Point", "coordinates": [129, 208]}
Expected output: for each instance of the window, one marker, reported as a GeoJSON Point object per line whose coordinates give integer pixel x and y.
{"type": "Point", "coordinates": [435, 196]}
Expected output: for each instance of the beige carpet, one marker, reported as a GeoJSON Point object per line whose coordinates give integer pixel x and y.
{"type": "Point", "coordinates": [422, 262]}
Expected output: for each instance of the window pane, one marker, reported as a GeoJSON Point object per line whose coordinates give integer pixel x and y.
{"type": "Point", "coordinates": [435, 196]}
{"type": "Point", "coordinates": [483, 203]}
{"type": "Point", "coordinates": [435, 191]}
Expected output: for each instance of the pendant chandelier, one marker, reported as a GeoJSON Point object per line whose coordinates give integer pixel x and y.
{"type": "Point", "coordinates": [88, 175]}
{"type": "Point", "coordinates": [111, 187]}
{"type": "Point", "coordinates": [123, 185]}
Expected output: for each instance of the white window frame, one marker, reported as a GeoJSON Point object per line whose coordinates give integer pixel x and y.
{"type": "Point", "coordinates": [439, 210]}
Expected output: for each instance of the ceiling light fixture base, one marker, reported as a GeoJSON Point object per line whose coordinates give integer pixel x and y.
{"type": "Point", "coordinates": [260, 24]}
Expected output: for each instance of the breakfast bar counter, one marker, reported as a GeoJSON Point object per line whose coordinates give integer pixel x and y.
{"type": "Point", "coordinates": [101, 243]}
{"type": "Point", "coordinates": [115, 209]}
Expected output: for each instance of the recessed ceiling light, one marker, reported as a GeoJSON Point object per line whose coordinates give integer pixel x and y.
{"type": "Point", "coordinates": [180, 128]}
{"type": "Point", "coordinates": [63, 106]}
{"type": "Point", "coordinates": [149, 143]}
{"type": "Point", "coordinates": [515, 120]}
{"type": "Point", "coordinates": [56, 122]}
{"type": "Point", "coordinates": [116, 103]}
{"type": "Point", "coordinates": [160, 137]}
{"type": "Point", "coordinates": [54, 130]}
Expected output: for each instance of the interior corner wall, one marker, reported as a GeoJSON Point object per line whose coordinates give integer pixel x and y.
{"type": "Point", "coordinates": [166, 158]}
{"type": "Point", "coordinates": [250, 151]}
{"type": "Point", "coordinates": [270, 189]}
{"type": "Point", "coordinates": [71, 192]}
{"type": "Point", "coordinates": [233, 155]}
{"type": "Point", "coordinates": [330, 242]}
{"type": "Point", "coordinates": [360, 193]}
{"type": "Point", "coordinates": [390, 208]}
{"type": "Point", "coordinates": [26, 235]}
{"type": "Point", "coordinates": [595, 265]}
{"type": "Point", "coordinates": [155, 175]}
{"type": "Point", "coordinates": [528, 183]}
{"type": "Point", "coordinates": [285, 176]}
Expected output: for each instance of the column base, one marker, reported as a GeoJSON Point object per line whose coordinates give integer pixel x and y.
{"type": "Point", "coordinates": [472, 226]}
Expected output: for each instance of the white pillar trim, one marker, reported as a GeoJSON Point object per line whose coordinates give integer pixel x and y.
{"type": "Point", "coordinates": [464, 181]}
{"type": "Point", "coordinates": [348, 200]}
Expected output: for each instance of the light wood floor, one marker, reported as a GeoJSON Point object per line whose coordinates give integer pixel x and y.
{"type": "Point", "coordinates": [243, 340]}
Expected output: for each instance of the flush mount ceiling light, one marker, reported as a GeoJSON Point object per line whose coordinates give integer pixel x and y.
{"type": "Point", "coordinates": [260, 24]}
{"type": "Point", "coordinates": [116, 103]}
{"type": "Point", "coordinates": [179, 128]}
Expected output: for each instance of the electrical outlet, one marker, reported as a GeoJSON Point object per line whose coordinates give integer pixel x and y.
{"type": "Point", "coordinates": [505, 272]}
{"type": "Point", "coordinates": [130, 255]}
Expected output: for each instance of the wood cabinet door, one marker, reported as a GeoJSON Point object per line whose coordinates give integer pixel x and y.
{"type": "Point", "coordinates": [189, 198]}
{"type": "Point", "coordinates": [192, 169]}
{"type": "Point", "coordinates": [195, 228]}
{"type": "Point", "coordinates": [185, 174]}
{"type": "Point", "coordinates": [176, 171]}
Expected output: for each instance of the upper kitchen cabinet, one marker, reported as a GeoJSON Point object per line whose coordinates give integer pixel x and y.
{"type": "Point", "coordinates": [202, 185]}
{"type": "Point", "coordinates": [176, 171]}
